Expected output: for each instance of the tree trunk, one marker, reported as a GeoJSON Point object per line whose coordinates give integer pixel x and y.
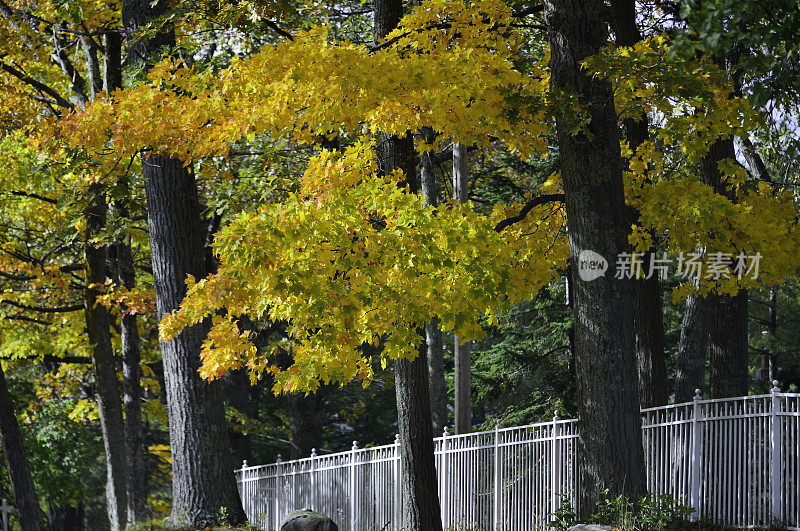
{"type": "Point", "coordinates": [728, 374]}
{"type": "Point", "coordinates": [109, 404]}
{"type": "Point", "coordinates": [433, 336]}
{"type": "Point", "coordinates": [132, 390]}
{"type": "Point", "coordinates": [236, 392]}
{"type": "Point", "coordinates": [591, 168]}
{"type": "Point", "coordinates": [203, 483]}
{"type": "Point", "coordinates": [112, 62]}
{"type": "Point", "coordinates": [650, 340]}
{"type": "Point", "coordinates": [204, 488]}
{"type": "Point", "coordinates": [26, 501]}
{"type": "Point", "coordinates": [728, 353]}
{"type": "Point", "coordinates": [420, 504]}
{"type": "Point", "coordinates": [648, 315]}
{"type": "Point", "coordinates": [306, 425]}
{"type": "Point", "coordinates": [66, 517]}
{"type": "Point", "coordinates": [463, 383]}
{"type": "Point", "coordinates": [690, 365]}
{"type": "Point", "coordinates": [436, 383]}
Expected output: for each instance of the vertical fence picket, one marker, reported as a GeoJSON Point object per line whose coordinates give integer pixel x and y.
{"type": "Point", "coordinates": [554, 466]}
{"type": "Point", "coordinates": [398, 502]}
{"type": "Point", "coordinates": [775, 449]}
{"type": "Point", "coordinates": [444, 478]}
{"type": "Point", "coordinates": [352, 487]}
{"type": "Point", "coordinates": [695, 462]}
{"type": "Point", "coordinates": [498, 487]}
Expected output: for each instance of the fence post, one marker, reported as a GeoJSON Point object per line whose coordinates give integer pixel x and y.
{"type": "Point", "coordinates": [278, 489]}
{"type": "Point", "coordinates": [497, 483]}
{"type": "Point", "coordinates": [312, 502]}
{"type": "Point", "coordinates": [353, 486]}
{"type": "Point", "coordinates": [398, 502]}
{"type": "Point", "coordinates": [697, 448]}
{"type": "Point", "coordinates": [245, 491]}
{"type": "Point", "coordinates": [776, 449]}
{"type": "Point", "coordinates": [555, 468]}
{"type": "Point", "coordinates": [5, 508]}
{"type": "Point", "coordinates": [445, 499]}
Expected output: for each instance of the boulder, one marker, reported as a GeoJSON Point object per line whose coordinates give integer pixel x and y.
{"type": "Point", "coordinates": [307, 520]}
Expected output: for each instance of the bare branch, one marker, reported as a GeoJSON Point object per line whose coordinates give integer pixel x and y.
{"type": "Point", "coordinates": [45, 309]}
{"type": "Point", "coordinates": [38, 85]}
{"type": "Point", "coordinates": [33, 196]}
{"type": "Point", "coordinates": [530, 205]}
{"type": "Point", "coordinates": [61, 58]}
{"type": "Point", "coordinates": [26, 319]}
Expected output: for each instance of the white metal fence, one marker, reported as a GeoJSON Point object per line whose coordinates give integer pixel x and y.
{"type": "Point", "coordinates": [736, 461]}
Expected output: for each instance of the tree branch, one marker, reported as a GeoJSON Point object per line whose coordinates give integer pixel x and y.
{"type": "Point", "coordinates": [38, 85]}
{"type": "Point", "coordinates": [44, 309]}
{"type": "Point", "coordinates": [26, 319]}
{"type": "Point", "coordinates": [33, 196]}
{"type": "Point", "coordinates": [536, 201]}
{"type": "Point", "coordinates": [274, 27]}
{"type": "Point", "coordinates": [61, 58]}
{"type": "Point", "coordinates": [17, 278]}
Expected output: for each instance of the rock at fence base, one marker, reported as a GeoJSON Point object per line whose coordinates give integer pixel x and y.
{"type": "Point", "coordinates": [590, 527]}
{"type": "Point", "coordinates": [307, 520]}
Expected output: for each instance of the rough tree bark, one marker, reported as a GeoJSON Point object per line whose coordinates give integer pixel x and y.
{"type": "Point", "coordinates": [420, 504]}
{"type": "Point", "coordinates": [461, 351]}
{"type": "Point", "coordinates": [203, 484]}
{"type": "Point", "coordinates": [591, 168]}
{"type": "Point", "coordinates": [26, 500]}
{"type": "Point", "coordinates": [648, 315]}
{"type": "Point", "coordinates": [236, 392]}
{"type": "Point", "coordinates": [690, 365]}
{"type": "Point", "coordinates": [131, 389]}
{"type": "Point", "coordinates": [728, 346]}
{"type": "Point", "coordinates": [306, 424]}
{"type": "Point", "coordinates": [728, 355]}
{"type": "Point", "coordinates": [109, 403]}
{"type": "Point", "coordinates": [436, 383]}
{"type": "Point", "coordinates": [433, 335]}
{"type": "Point", "coordinates": [66, 517]}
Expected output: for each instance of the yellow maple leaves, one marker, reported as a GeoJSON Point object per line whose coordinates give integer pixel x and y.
{"type": "Point", "coordinates": [366, 264]}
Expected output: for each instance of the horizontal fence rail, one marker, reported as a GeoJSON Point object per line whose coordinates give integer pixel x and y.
{"type": "Point", "coordinates": [736, 461]}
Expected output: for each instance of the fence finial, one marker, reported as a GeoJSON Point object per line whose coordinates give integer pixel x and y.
{"type": "Point", "coordinates": [775, 388]}
{"type": "Point", "coordinates": [313, 452]}
{"type": "Point", "coordinates": [555, 415]}
{"type": "Point", "coordinates": [445, 431]}
{"type": "Point", "coordinates": [244, 463]}
{"type": "Point", "coordinates": [355, 445]}
{"type": "Point", "coordinates": [397, 438]}
{"type": "Point", "coordinates": [698, 394]}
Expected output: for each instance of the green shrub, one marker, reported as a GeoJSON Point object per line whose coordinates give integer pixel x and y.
{"type": "Point", "coordinates": [651, 513]}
